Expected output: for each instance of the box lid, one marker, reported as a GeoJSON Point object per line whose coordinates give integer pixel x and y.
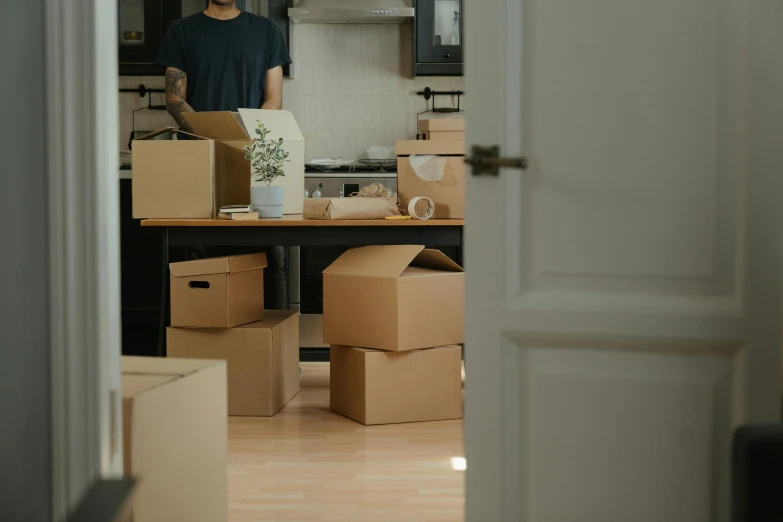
{"type": "Point", "coordinates": [442, 124]}
{"type": "Point", "coordinates": [271, 319]}
{"type": "Point", "coordinates": [134, 385]}
{"type": "Point", "coordinates": [389, 261]}
{"type": "Point", "coordinates": [218, 265]}
{"type": "Point", "coordinates": [141, 374]}
{"type": "Point", "coordinates": [438, 147]}
{"type": "Point", "coordinates": [166, 130]}
{"type": "Point", "coordinates": [217, 125]}
{"type": "Point", "coordinates": [162, 365]}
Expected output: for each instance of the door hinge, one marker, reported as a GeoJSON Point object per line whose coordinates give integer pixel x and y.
{"type": "Point", "coordinates": [113, 423]}
{"type": "Point", "coordinates": [486, 161]}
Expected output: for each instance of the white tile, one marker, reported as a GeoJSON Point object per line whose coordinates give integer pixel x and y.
{"type": "Point", "coordinates": [326, 114]}
{"type": "Point", "coordinates": [384, 62]}
{"type": "Point", "coordinates": [325, 58]}
{"type": "Point", "coordinates": [384, 120]}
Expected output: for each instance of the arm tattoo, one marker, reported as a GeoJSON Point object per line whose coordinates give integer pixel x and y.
{"type": "Point", "coordinates": [176, 90]}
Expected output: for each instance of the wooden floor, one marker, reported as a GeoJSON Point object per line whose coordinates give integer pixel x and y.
{"type": "Point", "coordinates": [307, 463]}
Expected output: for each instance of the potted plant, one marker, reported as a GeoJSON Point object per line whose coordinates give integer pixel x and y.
{"type": "Point", "coordinates": [266, 158]}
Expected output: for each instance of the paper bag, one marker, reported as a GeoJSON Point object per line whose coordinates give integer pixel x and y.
{"type": "Point", "coordinates": [349, 208]}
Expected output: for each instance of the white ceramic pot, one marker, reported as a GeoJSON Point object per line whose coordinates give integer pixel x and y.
{"type": "Point", "coordinates": [267, 201]}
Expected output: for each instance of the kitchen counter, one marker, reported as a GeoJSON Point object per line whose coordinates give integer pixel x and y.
{"type": "Point", "coordinates": [297, 220]}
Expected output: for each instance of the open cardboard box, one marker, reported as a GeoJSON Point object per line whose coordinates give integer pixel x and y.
{"type": "Point", "coordinates": [185, 178]}
{"type": "Point", "coordinates": [395, 298]}
{"type": "Point", "coordinates": [448, 194]}
{"type": "Point", "coordinates": [232, 131]}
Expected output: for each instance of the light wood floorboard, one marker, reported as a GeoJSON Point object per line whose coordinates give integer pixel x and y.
{"type": "Point", "coordinates": [308, 463]}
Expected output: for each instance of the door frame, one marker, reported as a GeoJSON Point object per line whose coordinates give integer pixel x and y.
{"type": "Point", "coordinates": [84, 275]}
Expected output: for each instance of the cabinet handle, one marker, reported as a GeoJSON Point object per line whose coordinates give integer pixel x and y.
{"type": "Point", "coordinates": [447, 55]}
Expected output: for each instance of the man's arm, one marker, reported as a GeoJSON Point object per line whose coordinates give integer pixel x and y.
{"type": "Point", "coordinates": [176, 92]}
{"type": "Point", "coordinates": [273, 93]}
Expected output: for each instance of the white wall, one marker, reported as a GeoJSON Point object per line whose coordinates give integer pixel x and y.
{"type": "Point", "coordinates": [352, 81]}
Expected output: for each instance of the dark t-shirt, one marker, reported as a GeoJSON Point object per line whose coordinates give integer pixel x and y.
{"type": "Point", "coordinates": [226, 60]}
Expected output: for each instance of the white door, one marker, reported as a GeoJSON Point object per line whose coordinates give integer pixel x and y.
{"type": "Point", "coordinates": [606, 349]}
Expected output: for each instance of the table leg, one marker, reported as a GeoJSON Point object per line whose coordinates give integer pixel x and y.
{"type": "Point", "coordinates": [164, 293]}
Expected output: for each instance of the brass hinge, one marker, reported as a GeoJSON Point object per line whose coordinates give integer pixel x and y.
{"type": "Point", "coordinates": [486, 161]}
{"type": "Point", "coordinates": [113, 423]}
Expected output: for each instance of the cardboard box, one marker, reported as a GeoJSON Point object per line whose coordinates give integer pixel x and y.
{"type": "Point", "coordinates": [184, 178]}
{"type": "Point", "coordinates": [396, 298]}
{"type": "Point", "coordinates": [232, 131]}
{"type": "Point", "coordinates": [175, 437]}
{"type": "Point", "coordinates": [375, 387]}
{"type": "Point", "coordinates": [262, 360]}
{"type": "Point", "coordinates": [442, 129]}
{"type": "Point", "coordinates": [448, 194]}
{"type": "Point", "coordinates": [220, 292]}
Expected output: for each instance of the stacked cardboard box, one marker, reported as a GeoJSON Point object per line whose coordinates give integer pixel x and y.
{"type": "Point", "coordinates": [217, 312]}
{"type": "Point", "coordinates": [442, 129]}
{"type": "Point", "coordinates": [393, 316]}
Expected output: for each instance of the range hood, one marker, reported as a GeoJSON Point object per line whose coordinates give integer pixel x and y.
{"type": "Point", "coordinates": [351, 11]}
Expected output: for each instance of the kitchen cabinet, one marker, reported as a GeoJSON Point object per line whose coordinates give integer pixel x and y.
{"type": "Point", "coordinates": [143, 25]}
{"type": "Point", "coordinates": [438, 41]}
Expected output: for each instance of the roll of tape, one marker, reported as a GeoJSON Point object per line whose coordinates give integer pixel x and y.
{"type": "Point", "coordinates": [428, 212]}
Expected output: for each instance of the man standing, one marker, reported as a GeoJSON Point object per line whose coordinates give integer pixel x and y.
{"type": "Point", "coordinates": [223, 59]}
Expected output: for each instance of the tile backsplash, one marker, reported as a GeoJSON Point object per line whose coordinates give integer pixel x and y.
{"type": "Point", "coordinates": [350, 81]}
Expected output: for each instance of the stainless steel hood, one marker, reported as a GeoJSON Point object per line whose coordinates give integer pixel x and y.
{"type": "Point", "coordinates": [351, 11]}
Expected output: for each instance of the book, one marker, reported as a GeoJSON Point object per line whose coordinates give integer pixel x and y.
{"type": "Point", "coordinates": [239, 216]}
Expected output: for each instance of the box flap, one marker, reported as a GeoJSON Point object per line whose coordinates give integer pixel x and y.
{"type": "Point", "coordinates": [135, 384]}
{"type": "Point", "coordinates": [375, 261]}
{"type": "Point", "coordinates": [271, 319]}
{"type": "Point", "coordinates": [163, 366]}
{"type": "Point", "coordinates": [217, 125]}
{"type": "Point", "coordinates": [246, 262]}
{"type": "Point", "coordinates": [218, 265]}
{"type": "Point", "coordinates": [436, 260]}
{"type": "Point", "coordinates": [281, 123]}
{"type": "Point", "coordinates": [166, 130]}
{"type": "Point", "coordinates": [442, 148]}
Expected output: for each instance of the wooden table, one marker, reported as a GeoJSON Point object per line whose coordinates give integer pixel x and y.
{"type": "Point", "coordinates": [295, 231]}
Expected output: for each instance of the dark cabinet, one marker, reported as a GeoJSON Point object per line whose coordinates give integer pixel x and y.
{"type": "Point", "coordinates": [143, 24]}
{"type": "Point", "coordinates": [438, 43]}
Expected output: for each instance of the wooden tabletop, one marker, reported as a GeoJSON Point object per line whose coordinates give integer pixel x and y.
{"type": "Point", "coordinates": [296, 220]}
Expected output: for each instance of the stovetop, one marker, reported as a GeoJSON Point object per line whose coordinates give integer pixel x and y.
{"type": "Point", "coordinates": [353, 169]}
